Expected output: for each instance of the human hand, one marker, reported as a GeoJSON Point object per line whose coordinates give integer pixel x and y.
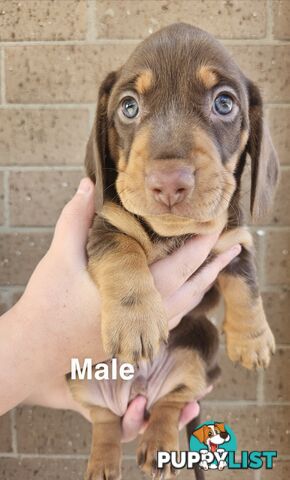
{"type": "Point", "coordinates": [62, 288]}
{"type": "Point", "coordinates": [62, 296]}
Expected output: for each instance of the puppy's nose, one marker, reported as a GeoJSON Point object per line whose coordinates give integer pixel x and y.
{"type": "Point", "coordinates": [170, 187]}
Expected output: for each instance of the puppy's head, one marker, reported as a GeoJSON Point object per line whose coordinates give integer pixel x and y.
{"type": "Point", "coordinates": [173, 128]}
{"type": "Point", "coordinates": [212, 435]}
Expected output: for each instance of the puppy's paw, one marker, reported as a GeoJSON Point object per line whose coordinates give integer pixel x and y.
{"type": "Point", "coordinates": [252, 351]}
{"type": "Point", "coordinates": [105, 468]}
{"type": "Point", "coordinates": [134, 328]}
{"type": "Point", "coordinates": [151, 442]}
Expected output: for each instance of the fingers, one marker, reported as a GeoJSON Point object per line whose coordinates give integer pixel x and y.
{"type": "Point", "coordinates": [133, 419]}
{"type": "Point", "coordinates": [190, 411]}
{"type": "Point", "coordinates": [190, 294]}
{"type": "Point", "coordinates": [72, 227]}
{"type": "Point", "coordinates": [171, 272]}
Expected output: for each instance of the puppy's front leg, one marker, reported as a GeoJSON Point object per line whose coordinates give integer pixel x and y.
{"type": "Point", "coordinates": [134, 322]}
{"type": "Point", "coordinates": [248, 335]}
{"type": "Point", "coordinates": [105, 457]}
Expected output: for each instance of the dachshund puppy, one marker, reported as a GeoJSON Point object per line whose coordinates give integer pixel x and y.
{"type": "Point", "coordinates": [167, 152]}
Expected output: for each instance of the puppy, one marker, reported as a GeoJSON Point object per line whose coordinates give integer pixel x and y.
{"type": "Point", "coordinates": [213, 436]}
{"type": "Point", "coordinates": [167, 152]}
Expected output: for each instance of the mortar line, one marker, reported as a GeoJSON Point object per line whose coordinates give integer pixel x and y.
{"type": "Point", "coordinates": [14, 431]}
{"type": "Point", "coordinates": [91, 13]}
{"type": "Point", "coordinates": [269, 20]}
{"type": "Point", "coordinates": [260, 388]}
{"type": "Point", "coordinates": [245, 403]}
{"type": "Point", "coordinates": [6, 197]}
{"type": "Point", "coordinates": [134, 41]}
{"type": "Point", "coordinates": [47, 106]}
{"type": "Point", "coordinates": [41, 168]}
{"type": "Point", "coordinates": [92, 113]}
{"type": "Point", "coordinates": [20, 456]}
{"type": "Point", "coordinates": [2, 71]}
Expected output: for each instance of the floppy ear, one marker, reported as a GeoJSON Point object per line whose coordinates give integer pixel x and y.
{"type": "Point", "coordinates": [200, 434]}
{"type": "Point", "coordinates": [264, 159]}
{"type": "Point", "coordinates": [98, 161]}
{"type": "Point", "coordinates": [220, 426]}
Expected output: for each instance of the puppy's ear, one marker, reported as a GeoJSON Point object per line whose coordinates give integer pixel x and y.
{"type": "Point", "coordinates": [98, 161]}
{"type": "Point", "coordinates": [220, 426]}
{"type": "Point", "coordinates": [200, 434]}
{"type": "Point", "coordinates": [264, 159]}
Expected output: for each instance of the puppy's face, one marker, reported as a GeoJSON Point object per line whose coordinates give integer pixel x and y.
{"type": "Point", "coordinates": [177, 122]}
{"type": "Point", "coordinates": [181, 117]}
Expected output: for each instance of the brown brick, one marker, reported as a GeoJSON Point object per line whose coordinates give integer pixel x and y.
{"type": "Point", "coordinates": [279, 122]}
{"type": "Point", "coordinates": [277, 386]}
{"type": "Point", "coordinates": [1, 198]}
{"type": "Point", "coordinates": [45, 20]}
{"type": "Point", "coordinates": [268, 66]}
{"type": "Point", "coordinates": [59, 73]}
{"type": "Point", "coordinates": [277, 307]}
{"type": "Point", "coordinates": [132, 19]}
{"type": "Point", "coordinates": [5, 434]}
{"type": "Point", "coordinates": [43, 137]}
{"type": "Point", "coordinates": [19, 255]}
{"type": "Point", "coordinates": [281, 209]}
{"type": "Point", "coordinates": [281, 19]}
{"type": "Point", "coordinates": [252, 427]}
{"type": "Point", "coordinates": [42, 469]}
{"type": "Point", "coordinates": [41, 430]}
{"type": "Point", "coordinates": [37, 198]}
{"type": "Point", "coordinates": [281, 471]}
{"type": "Point", "coordinates": [236, 382]}
{"type": "Point", "coordinates": [277, 260]}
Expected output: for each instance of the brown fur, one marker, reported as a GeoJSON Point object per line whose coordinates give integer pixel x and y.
{"type": "Point", "coordinates": [175, 74]}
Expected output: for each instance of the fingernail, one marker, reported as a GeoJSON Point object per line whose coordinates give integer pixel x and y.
{"type": "Point", "coordinates": [85, 186]}
{"type": "Point", "coordinates": [236, 249]}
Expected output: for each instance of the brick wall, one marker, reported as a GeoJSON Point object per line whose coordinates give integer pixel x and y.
{"type": "Point", "coordinates": [52, 56]}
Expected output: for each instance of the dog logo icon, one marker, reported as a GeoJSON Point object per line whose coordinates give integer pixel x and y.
{"type": "Point", "coordinates": [213, 440]}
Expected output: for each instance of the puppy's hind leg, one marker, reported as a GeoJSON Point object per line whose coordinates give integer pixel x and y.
{"type": "Point", "coordinates": [105, 457]}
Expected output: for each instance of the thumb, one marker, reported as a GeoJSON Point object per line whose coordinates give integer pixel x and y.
{"type": "Point", "coordinates": [133, 419]}
{"type": "Point", "coordinates": [71, 231]}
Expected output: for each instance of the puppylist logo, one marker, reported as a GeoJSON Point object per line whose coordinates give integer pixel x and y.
{"type": "Point", "coordinates": [213, 446]}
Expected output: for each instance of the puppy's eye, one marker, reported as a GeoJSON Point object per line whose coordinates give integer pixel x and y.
{"type": "Point", "coordinates": [130, 107]}
{"type": "Point", "coordinates": [223, 104]}
{"type": "Point", "coordinates": [210, 434]}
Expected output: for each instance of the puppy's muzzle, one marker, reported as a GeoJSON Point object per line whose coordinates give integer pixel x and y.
{"type": "Point", "coordinates": [170, 187]}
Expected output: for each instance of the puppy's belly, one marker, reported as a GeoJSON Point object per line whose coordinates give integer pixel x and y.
{"type": "Point", "coordinates": [151, 380]}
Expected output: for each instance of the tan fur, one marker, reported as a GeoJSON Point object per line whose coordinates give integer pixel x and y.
{"type": "Point", "coordinates": [207, 76]}
{"type": "Point", "coordinates": [144, 82]}
{"type": "Point", "coordinates": [129, 332]}
{"type": "Point", "coordinates": [249, 338]}
{"type": "Point", "coordinates": [105, 456]}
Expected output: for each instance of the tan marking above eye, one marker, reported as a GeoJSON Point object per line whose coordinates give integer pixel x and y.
{"type": "Point", "coordinates": [207, 76]}
{"type": "Point", "coordinates": [144, 82]}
